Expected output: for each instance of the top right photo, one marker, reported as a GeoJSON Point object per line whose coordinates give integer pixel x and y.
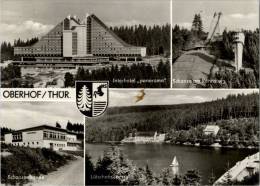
{"type": "Point", "coordinates": [215, 44]}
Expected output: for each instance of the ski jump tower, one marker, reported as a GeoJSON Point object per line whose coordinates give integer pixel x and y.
{"type": "Point", "coordinates": [214, 30]}
{"type": "Point", "coordinates": [238, 45]}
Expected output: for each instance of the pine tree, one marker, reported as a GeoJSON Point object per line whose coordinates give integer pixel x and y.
{"type": "Point", "coordinates": [212, 178]}
{"type": "Point", "coordinates": [148, 175]}
{"type": "Point", "coordinates": [58, 125]}
{"type": "Point", "coordinates": [192, 177]}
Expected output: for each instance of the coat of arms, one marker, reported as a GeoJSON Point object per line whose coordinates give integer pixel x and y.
{"type": "Point", "coordinates": [92, 97]}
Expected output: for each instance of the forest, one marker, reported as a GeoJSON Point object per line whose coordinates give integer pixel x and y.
{"type": "Point", "coordinates": [231, 79]}
{"type": "Point", "coordinates": [118, 122]}
{"type": "Point", "coordinates": [237, 133]}
{"type": "Point", "coordinates": [158, 77]}
{"type": "Point", "coordinates": [3, 131]}
{"type": "Point", "coordinates": [156, 38]}
{"type": "Point", "coordinates": [7, 48]}
{"type": "Point", "coordinates": [183, 39]}
{"type": "Point", "coordinates": [11, 77]}
{"type": "Point", "coordinates": [77, 128]}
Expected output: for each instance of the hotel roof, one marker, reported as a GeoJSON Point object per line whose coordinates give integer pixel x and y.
{"type": "Point", "coordinates": [211, 128]}
{"type": "Point", "coordinates": [42, 127]}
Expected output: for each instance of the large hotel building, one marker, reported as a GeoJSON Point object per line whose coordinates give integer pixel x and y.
{"type": "Point", "coordinates": [44, 136]}
{"type": "Point", "coordinates": [75, 40]}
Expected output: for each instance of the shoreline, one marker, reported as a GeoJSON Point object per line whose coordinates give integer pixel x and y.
{"type": "Point", "coordinates": [169, 143]}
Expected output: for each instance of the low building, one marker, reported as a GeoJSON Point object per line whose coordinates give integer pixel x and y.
{"type": "Point", "coordinates": [44, 136]}
{"type": "Point", "coordinates": [144, 137]}
{"type": "Point", "coordinates": [211, 129]}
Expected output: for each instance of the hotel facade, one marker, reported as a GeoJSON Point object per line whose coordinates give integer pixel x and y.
{"type": "Point", "coordinates": [44, 136]}
{"type": "Point", "coordinates": [75, 40]}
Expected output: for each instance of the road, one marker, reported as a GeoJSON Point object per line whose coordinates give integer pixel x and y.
{"type": "Point", "coordinates": [242, 169]}
{"type": "Point", "coordinates": [71, 174]}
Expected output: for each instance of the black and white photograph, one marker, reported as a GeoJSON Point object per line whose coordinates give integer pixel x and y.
{"type": "Point", "coordinates": [53, 43]}
{"type": "Point", "coordinates": [215, 44]}
{"type": "Point", "coordinates": [129, 92]}
{"type": "Point", "coordinates": [190, 137]}
{"type": "Point", "coordinates": [41, 144]}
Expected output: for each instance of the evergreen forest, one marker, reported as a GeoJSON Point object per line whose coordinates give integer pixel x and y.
{"type": "Point", "coordinates": [236, 115]}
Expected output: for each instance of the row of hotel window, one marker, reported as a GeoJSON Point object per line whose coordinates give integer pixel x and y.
{"type": "Point", "coordinates": [58, 49]}
{"type": "Point", "coordinates": [37, 143]}
{"type": "Point", "coordinates": [25, 144]}
{"type": "Point", "coordinates": [46, 134]}
{"type": "Point", "coordinates": [47, 48]}
{"type": "Point", "coordinates": [53, 135]}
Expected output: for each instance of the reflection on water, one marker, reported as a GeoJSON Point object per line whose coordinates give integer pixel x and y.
{"type": "Point", "coordinates": [159, 156]}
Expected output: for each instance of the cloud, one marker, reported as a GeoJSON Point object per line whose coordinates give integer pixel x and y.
{"type": "Point", "coordinates": [237, 21]}
{"type": "Point", "coordinates": [186, 25]}
{"type": "Point", "coordinates": [23, 30]}
{"type": "Point", "coordinates": [9, 13]}
{"type": "Point", "coordinates": [133, 22]}
{"type": "Point", "coordinates": [244, 16]}
{"type": "Point", "coordinates": [26, 26]}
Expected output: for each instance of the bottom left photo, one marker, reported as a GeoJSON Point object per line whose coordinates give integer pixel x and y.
{"type": "Point", "coordinates": [42, 143]}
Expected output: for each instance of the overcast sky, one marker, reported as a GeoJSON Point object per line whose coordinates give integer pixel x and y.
{"type": "Point", "coordinates": [19, 115]}
{"type": "Point", "coordinates": [29, 18]}
{"type": "Point", "coordinates": [237, 14]}
{"type": "Point", "coordinates": [169, 97]}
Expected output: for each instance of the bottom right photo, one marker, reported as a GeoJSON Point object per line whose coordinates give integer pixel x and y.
{"type": "Point", "coordinates": [174, 137]}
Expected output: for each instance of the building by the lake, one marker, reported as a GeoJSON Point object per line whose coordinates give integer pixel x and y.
{"type": "Point", "coordinates": [144, 137]}
{"type": "Point", "coordinates": [78, 41]}
{"type": "Point", "coordinates": [211, 130]}
{"type": "Point", "coordinates": [44, 136]}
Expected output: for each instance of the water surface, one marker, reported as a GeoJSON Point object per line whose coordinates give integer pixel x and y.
{"type": "Point", "coordinates": [160, 156]}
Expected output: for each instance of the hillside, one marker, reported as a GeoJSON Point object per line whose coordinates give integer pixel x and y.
{"type": "Point", "coordinates": [196, 65]}
{"type": "Point", "coordinates": [120, 121]}
{"type": "Point", "coordinates": [24, 161]}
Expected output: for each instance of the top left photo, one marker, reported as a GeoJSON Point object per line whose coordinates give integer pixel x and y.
{"type": "Point", "coordinates": [53, 43]}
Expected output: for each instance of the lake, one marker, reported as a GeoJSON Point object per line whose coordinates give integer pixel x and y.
{"type": "Point", "coordinates": [160, 156]}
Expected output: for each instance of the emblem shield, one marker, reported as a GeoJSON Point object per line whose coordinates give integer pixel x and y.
{"type": "Point", "coordinates": [92, 97]}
